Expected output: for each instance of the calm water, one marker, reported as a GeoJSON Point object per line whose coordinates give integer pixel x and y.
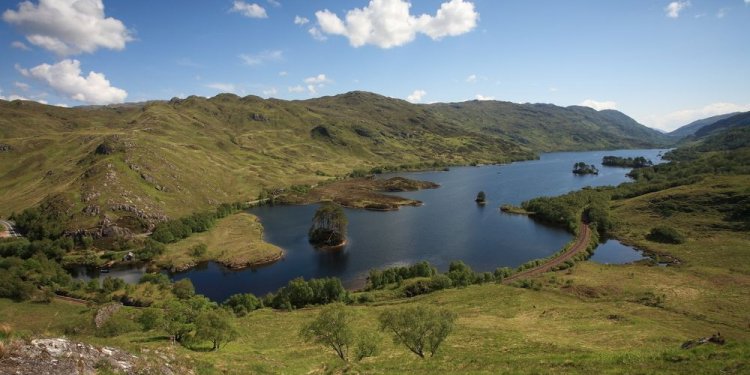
{"type": "Point", "coordinates": [449, 226]}
{"type": "Point", "coordinates": [613, 252]}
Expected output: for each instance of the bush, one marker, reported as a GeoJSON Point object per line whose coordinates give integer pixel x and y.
{"type": "Point", "coordinates": [666, 235]}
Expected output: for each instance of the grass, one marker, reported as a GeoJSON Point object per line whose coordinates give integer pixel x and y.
{"type": "Point", "coordinates": [235, 241]}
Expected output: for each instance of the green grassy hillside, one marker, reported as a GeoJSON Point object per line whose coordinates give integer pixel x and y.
{"type": "Point", "coordinates": [134, 165]}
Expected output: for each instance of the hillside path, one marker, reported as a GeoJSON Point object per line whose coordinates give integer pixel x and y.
{"type": "Point", "coordinates": [582, 241]}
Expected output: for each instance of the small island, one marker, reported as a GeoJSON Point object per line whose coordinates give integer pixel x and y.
{"type": "Point", "coordinates": [481, 198]}
{"type": "Point", "coordinates": [582, 168]}
{"type": "Point", "coordinates": [328, 230]}
{"type": "Point", "coordinates": [637, 162]}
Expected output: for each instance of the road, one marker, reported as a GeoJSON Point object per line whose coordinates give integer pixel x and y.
{"type": "Point", "coordinates": [582, 242]}
{"type": "Point", "coordinates": [10, 229]}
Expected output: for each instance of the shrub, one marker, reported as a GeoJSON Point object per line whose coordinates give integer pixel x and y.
{"type": "Point", "coordinates": [665, 234]}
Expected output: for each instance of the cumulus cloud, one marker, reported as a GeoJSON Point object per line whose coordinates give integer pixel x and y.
{"type": "Point", "coordinates": [674, 8]}
{"type": "Point", "coordinates": [300, 20]}
{"type": "Point", "coordinates": [319, 79]}
{"type": "Point", "coordinates": [317, 34]}
{"type": "Point", "coordinates": [12, 97]}
{"type": "Point", "coordinates": [22, 86]}
{"type": "Point", "coordinates": [65, 78]}
{"type": "Point", "coordinates": [471, 78]}
{"type": "Point", "coordinates": [389, 23]}
{"type": "Point", "coordinates": [270, 92]}
{"type": "Point", "coordinates": [674, 120]}
{"type": "Point", "coordinates": [597, 105]}
{"type": "Point", "coordinates": [249, 10]}
{"type": "Point", "coordinates": [68, 27]}
{"type": "Point", "coordinates": [416, 96]}
{"type": "Point", "coordinates": [20, 45]}
{"type": "Point", "coordinates": [274, 3]}
{"type": "Point", "coordinates": [482, 97]}
{"type": "Point", "coordinates": [260, 58]}
{"type": "Point", "coordinates": [223, 87]}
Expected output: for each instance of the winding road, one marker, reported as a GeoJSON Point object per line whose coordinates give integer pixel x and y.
{"type": "Point", "coordinates": [582, 242]}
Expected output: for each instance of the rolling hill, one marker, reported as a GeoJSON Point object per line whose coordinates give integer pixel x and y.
{"type": "Point", "coordinates": [136, 164]}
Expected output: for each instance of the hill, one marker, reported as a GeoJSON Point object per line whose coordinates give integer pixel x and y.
{"type": "Point", "coordinates": [136, 164]}
{"type": "Point", "coordinates": [733, 122]}
{"type": "Point", "coordinates": [691, 128]}
{"type": "Point", "coordinates": [546, 127]}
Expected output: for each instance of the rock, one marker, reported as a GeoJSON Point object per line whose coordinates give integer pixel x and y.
{"type": "Point", "coordinates": [5, 147]}
{"type": "Point", "coordinates": [58, 356]}
{"type": "Point", "coordinates": [106, 312]}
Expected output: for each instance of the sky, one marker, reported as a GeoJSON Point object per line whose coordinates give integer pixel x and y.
{"type": "Point", "coordinates": [664, 63]}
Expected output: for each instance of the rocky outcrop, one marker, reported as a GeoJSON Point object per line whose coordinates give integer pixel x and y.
{"type": "Point", "coordinates": [106, 312]}
{"type": "Point", "coordinates": [58, 356]}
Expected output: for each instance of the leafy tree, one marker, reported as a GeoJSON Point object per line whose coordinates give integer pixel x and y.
{"type": "Point", "coordinates": [215, 325]}
{"type": "Point", "coordinates": [151, 318]}
{"type": "Point", "coordinates": [328, 225]}
{"type": "Point", "coordinates": [242, 304]}
{"type": "Point", "coordinates": [179, 319]}
{"type": "Point", "coordinates": [460, 274]}
{"type": "Point", "coordinates": [331, 328]}
{"type": "Point", "coordinates": [368, 345]}
{"type": "Point", "coordinates": [419, 328]}
{"type": "Point", "coordinates": [183, 289]}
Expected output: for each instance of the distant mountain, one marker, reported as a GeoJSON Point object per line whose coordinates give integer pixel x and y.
{"type": "Point", "coordinates": [135, 164]}
{"type": "Point", "coordinates": [733, 122]}
{"type": "Point", "coordinates": [691, 128]}
{"type": "Point", "coordinates": [547, 127]}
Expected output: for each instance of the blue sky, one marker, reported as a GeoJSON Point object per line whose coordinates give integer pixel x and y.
{"type": "Point", "coordinates": [665, 63]}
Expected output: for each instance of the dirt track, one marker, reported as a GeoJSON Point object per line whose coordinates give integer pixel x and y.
{"type": "Point", "coordinates": [582, 241]}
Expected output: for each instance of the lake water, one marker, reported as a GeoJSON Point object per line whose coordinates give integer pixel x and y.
{"type": "Point", "coordinates": [449, 226]}
{"type": "Point", "coordinates": [614, 252]}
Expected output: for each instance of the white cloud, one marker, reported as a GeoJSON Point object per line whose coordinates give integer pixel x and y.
{"type": "Point", "coordinates": [317, 34]}
{"type": "Point", "coordinates": [12, 97]}
{"type": "Point", "coordinates": [416, 96]}
{"type": "Point", "coordinates": [300, 20]}
{"type": "Point", "coordinates": [270, 92]}
{"type": "Point", "coordinates": [471, 78]}
{"type": "Point", "coordinates": [274, 3]}
{"type": "Point", "coordinates": [388, 23]}
{"type": "Point", "coordinates": [223, 87]}
{"type": "Point", "coordinates": [260, 58]}
{"type": "Point", "coordinates": [482, 97]}
{"type": "Point", "coordinates": [296, 89]}
{"type": "Point", "coordinates": [65, 78]}
{"type": "Point", "coordinates": [283, 74]}
{"type": "Point", "coordinates": [20, 45]}
{"type": "Point", "coordinates": [722, 12]}
{"type": "Point", "coordinates": [674, 120]}
{"type": "Point", "coordinates": [249, 10]}
{"type": "Point", "coordinates": [317, 80]}
{"type": "Point", "coordinates": [597, 105]}
{"type": "Point", "coordinates": [68, 27]}
{"type": "Point", "coordinates": [674, 8]}
{"type": "Point", "coordinates": [22, 86]}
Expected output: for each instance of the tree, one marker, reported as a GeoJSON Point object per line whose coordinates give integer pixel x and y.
{"type": "Point", "coordinates": [215, 325]}
{"type": "Point", "coordinates": [481, 198]}
{"type": "Point", "coordinates": [419, 328]}
{"type": "Point", "coordinates": [328, 226]}
{"type": "Point", "coordinates": [331, 328]}
{"type": "Point", "coordinates": [183, 289]}
{"type": "Point", "coordinates": [178, 319]}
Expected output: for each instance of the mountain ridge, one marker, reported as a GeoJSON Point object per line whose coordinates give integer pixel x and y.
{"type": "Point", "coordinates": [136, 164]}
